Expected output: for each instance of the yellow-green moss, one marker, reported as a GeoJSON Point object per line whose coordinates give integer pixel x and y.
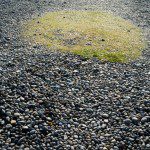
{"type": "Point", "coordinates": [87, 33]}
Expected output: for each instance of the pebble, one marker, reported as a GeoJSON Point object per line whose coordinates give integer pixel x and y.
{"type": "Point", "coordinates": [8, 126]}
{"type": "Point", "coordinates": [106, 120]}
{"type": "Point", "coordinates": [13, 122]}
{"type": "Point", "coordinates": [65, 137]}
{"type": "Point", "coordinates": [127, 121]}
{"type": "Point", "coordinates": [76, 136]}
{"type": "Point", "coordinates": [25, 128]}
{"type": "Point", "coordinates": [135, 120]}
{"type": "Point", "coordinates": [16, 114]}
{"type": "Point", "coordinates": [144, 119]}
{"type": "Point", "coordinates": [105, 115]}
{"type": "Point", "coordinates": [2, 122]}
{"type": "Point", "coordinates": [147, 146]}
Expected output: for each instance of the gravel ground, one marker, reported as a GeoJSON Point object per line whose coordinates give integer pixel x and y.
{"type": "Point", "coordinates": [50, 100]}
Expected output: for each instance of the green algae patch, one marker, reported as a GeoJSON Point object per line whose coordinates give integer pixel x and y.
{"type": "Point", "coordinates": [87, 33]}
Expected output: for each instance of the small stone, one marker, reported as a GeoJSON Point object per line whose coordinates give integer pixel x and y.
{"type": "Point", "coordinates": [55, 134]}
{"type": "Point", "coordinates": [60, 123]}
{"type": "Point", "coordinates": [21, 98]}
{"type": "Point", "coordinates": [13, 122]}
{"type": "Point", "coordinates": [105, 115]}
{"type": "Point", "coordinates": [82, 147]}
{"type": "Point", "coordinates": [26, 117]}
{"type": "Point", "coordinates": [2, 112]}
{"type": "Point", "coordinates": [32, 131]}
{"type": "Point", "coordinates": [44, 129]}
{"type": "Point", "coordinates": [76, 136]}
{"type": "Point", "coordinates": [138, 64]}
{"type": "Point", "coordinates": [49, 119]}
{"type": "Point", "coordinates": [89, 110]}
{"type": "Point", "coordinates": [65, 137]}
{"type": "Point", "coordinates": [83, 125]}
{"type": "Point", "coordinates": [127, 97]}
{"type": "Point", "coordinates": [50, 123]}
{"type": "Point", "coordinates": [106, 120]}
{"type": "Point", "coordinates": [95, 70]}
{"type": "Point", "coordinates": [148, 146]}
{"type": "Point", "coordinates": [31, 106]}
{"type": "Point", "coordinates": [8, 118]}
{"type": "Point", "coordinates": [40, 101]}
{"type": "Point", "coordinates": [127, 121]}
{"type": "Point", "coordinates": [16, 114]}
{"type": "Point", "coordinates": [72, 148]}
{"type": "Point", "coordinates": [89, 43]}
{"type": "Point", "coordinates": [25, 128]}
{"type": "Point", "coordinates": [103, 126]}
{"type": "Point", "coordinates": [144, 119]}
{"type": "Point", "coordinates": [2, 122]}
{"type": "Point", "coordinates": [69, 125]}
{"type": "Point", "coordinates": [135, 120]}
{"type": "Point", "coordinates": [113, 141]}
{"type": "Point", "coordinates": [147, 103]}
{"type": "Point", "coordinates": [8, 126]}
{"type": "Point", "coordinates": [75, 71]}
{"type": "Point", "coordinates": [36, 127]}
{"type": "Point", "coordinates": [1, 69]}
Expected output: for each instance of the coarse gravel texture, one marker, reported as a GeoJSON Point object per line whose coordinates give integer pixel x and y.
{"type": "Point", "coordinates": [50, 100]}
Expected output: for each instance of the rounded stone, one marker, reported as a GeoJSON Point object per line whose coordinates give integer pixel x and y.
{"type": "Point", "coordinates": [13, 122]}
{"type": "Point", "coordinates": [105, 115]}
{"type": "Point", "coordinates": [135, 120]}
{"type": "Point", "coordinates": [144, 119]}
{"type": "Point", "coordinates": [25, 128]}
{"type": "Point", "coordinates": [127, 121]}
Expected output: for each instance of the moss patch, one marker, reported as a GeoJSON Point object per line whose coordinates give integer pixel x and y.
{"type": "Point", "coordinates": [87, 33]}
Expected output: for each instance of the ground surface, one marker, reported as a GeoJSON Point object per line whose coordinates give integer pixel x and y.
{"type": "Point", "coordinates": [50, 100]}
{"type": "Point", "coordinates": [86, 33]}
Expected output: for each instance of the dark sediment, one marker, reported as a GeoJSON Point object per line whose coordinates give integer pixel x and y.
{"type": "Point", "coordinates": [51, 100]}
